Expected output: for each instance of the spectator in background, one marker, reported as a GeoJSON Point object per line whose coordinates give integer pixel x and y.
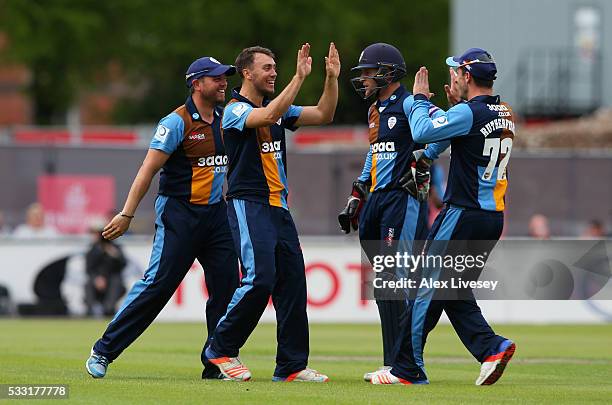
{"type": "Point", "coordinates": [4, 229]}
{"type": "Point", "coordinates": [594, 230]}
{"type": "Point", "coordinates": [538, 227]}
{"type": "Point", "coordinates": [104, 263]}
{"type": "Point", "coordinates": [35, 226]}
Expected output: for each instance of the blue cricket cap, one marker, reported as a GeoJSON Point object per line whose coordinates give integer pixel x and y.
{"type": "Point", "coordinates": [207, 66]}
{"type": "Point", "coordinates": [477, 61]}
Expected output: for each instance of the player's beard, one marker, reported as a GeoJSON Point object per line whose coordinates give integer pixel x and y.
{"type": "Point", "coordinates": [208, 92]}
{"type": "Point", "coordinates": [262, 87]}
{"type": "Point", "coordinates": [212, 96]}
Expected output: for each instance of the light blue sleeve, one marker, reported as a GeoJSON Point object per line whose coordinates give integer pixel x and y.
{"type": "Point", "coordinates": [407, 105]}
{"type": "Point", "coordinates": [293, 111]}
{"type": "Point", "coordinates": [235, 115]}
{"type": "Point", "coordinates": [291, 116]}
{"type": "Point", "coordinates": [434, 111]}
{"type": "Point", "coordinates": [367, 167]}
{"type": "Point", "coordinates": [434, 150]}
{"type": "Point", "coordinates": [457, 121]}
{"type": "Point", "coordinates": [168, 134]}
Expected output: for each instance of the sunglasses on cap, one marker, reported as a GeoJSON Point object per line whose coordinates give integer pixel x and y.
{"type": "Point", "coordinates": [482, 58]}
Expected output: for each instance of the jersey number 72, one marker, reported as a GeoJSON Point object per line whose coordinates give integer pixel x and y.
{"type": "Point", "coordinates": [493, 147]}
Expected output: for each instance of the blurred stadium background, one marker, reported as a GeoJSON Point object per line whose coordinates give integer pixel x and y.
{"type": "Point", "coordinates": [83, 84]}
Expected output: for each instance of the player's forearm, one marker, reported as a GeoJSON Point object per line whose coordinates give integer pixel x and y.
{"type": "Point", "coordinates": [283, 101]}
{"type": "Point", "coordinates": [420, 123]}
{"type": "Point", "coordinates": [139, 188]}
{"type": "Point", "coordinates": [457, 121]}
{"type": "Point", "coordinates": [435, 149]}
{"type": "Point", "coordinates": [329, 100]}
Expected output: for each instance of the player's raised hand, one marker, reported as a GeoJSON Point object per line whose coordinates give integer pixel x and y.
{"type": "Point", "coordinates": [304, 61]}
{"type": "Point", "coordinates": [421, 82]}
{"type": "Point", "coordinates": [116, 227]}
{"type": "Point", "coordinates": [452, 90]}
{"type": "Point", "coordinates": [332, 62]}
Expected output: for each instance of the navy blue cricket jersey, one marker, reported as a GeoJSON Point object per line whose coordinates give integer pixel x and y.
{"type": "Point", "coordinates": [196, 168]}
{"type": "Point", "coordinates": [257, 156]}
{"type": "Point", "coordinates": [391, 141]}
{"type": "Point", "coordinates": [480, 133]}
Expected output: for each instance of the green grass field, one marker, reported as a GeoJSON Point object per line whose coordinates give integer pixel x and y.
{"type": "Point", "coordinates": [553, 364]}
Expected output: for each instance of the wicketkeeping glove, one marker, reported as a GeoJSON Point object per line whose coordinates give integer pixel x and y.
{"type": "Point", "coordinates": [416, 180]}
{"type": "Point", "coordinates": [349, 217]}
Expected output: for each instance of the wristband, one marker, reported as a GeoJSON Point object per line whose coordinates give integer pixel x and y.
{"type": "Point", "coordinates": [126, 215]}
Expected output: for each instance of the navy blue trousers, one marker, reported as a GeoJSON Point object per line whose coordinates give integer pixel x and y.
{"type": "Point", "coordinates": [452, 223]}
{"type": "Point", "coordinates": [273, 265]}
{"type": "Point", "coordinates": [183, 232]}
{"type": "Point", "coordinates": [389, 216]}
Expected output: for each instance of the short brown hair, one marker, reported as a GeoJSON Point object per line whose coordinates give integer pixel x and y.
{"type": "Point", "coordinates": [244, 60]}
{"type": "Point", "coordinates": [477, 80]}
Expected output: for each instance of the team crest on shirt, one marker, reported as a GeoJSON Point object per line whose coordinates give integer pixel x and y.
{"type": "Point", "coordinates": [279, 121]}
{"type": "Point", "coordinates": [391, 123]}
{"type": "Point", "coordinates": [161, 132]}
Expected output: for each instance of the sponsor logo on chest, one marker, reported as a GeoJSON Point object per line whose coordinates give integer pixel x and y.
{"type": "Point", "coordinates": [196, 137]}
{"type": "Point", "coordinates": [383, 147]}
{"type": "Point", "coordinates": [215, 160]}
{"type": "Point", "coordinates": [384, 150]}
{"type": "Point", "coordinates": [273, 146]}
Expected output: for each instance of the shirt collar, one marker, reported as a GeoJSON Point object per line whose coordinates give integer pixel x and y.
{"type": "Point", "coordinates": [486, 99]}
{"type": "Point", "coordinates": [236, 95]}
{"type": "Point", "coordinates": [193, 111]}
{"type": "Point", "coordinates": [393, 97]}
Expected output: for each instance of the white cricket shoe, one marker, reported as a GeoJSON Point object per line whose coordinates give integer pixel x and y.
{"type": "Point", "coordinates": [368, 376]}
{"type": "Point", "coordinates": [493, 366]}
{"type": "Point", "coordinates": [232, 368]}
{"type": "Point", "coordinates": [386, 378]}
{"type": "Point", "coordinates": [306, 375]}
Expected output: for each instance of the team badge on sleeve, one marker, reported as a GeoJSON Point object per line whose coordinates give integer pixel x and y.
{"type": "Point", "coordinates": [439, 122]}
{"type": "Point", "coordinates": [239, 110]}
{"type": "Point", "coordinates": [161, 133]}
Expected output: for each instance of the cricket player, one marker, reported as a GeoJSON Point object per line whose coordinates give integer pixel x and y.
{"type": "Point", "coordinates": [480, 132]}
{"type": "Point", "coordinates": [263, 230]}
{"type": "Point", "coordinates": [393, 212]}
{"type": "Point", "coordinates": [191, 216]}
